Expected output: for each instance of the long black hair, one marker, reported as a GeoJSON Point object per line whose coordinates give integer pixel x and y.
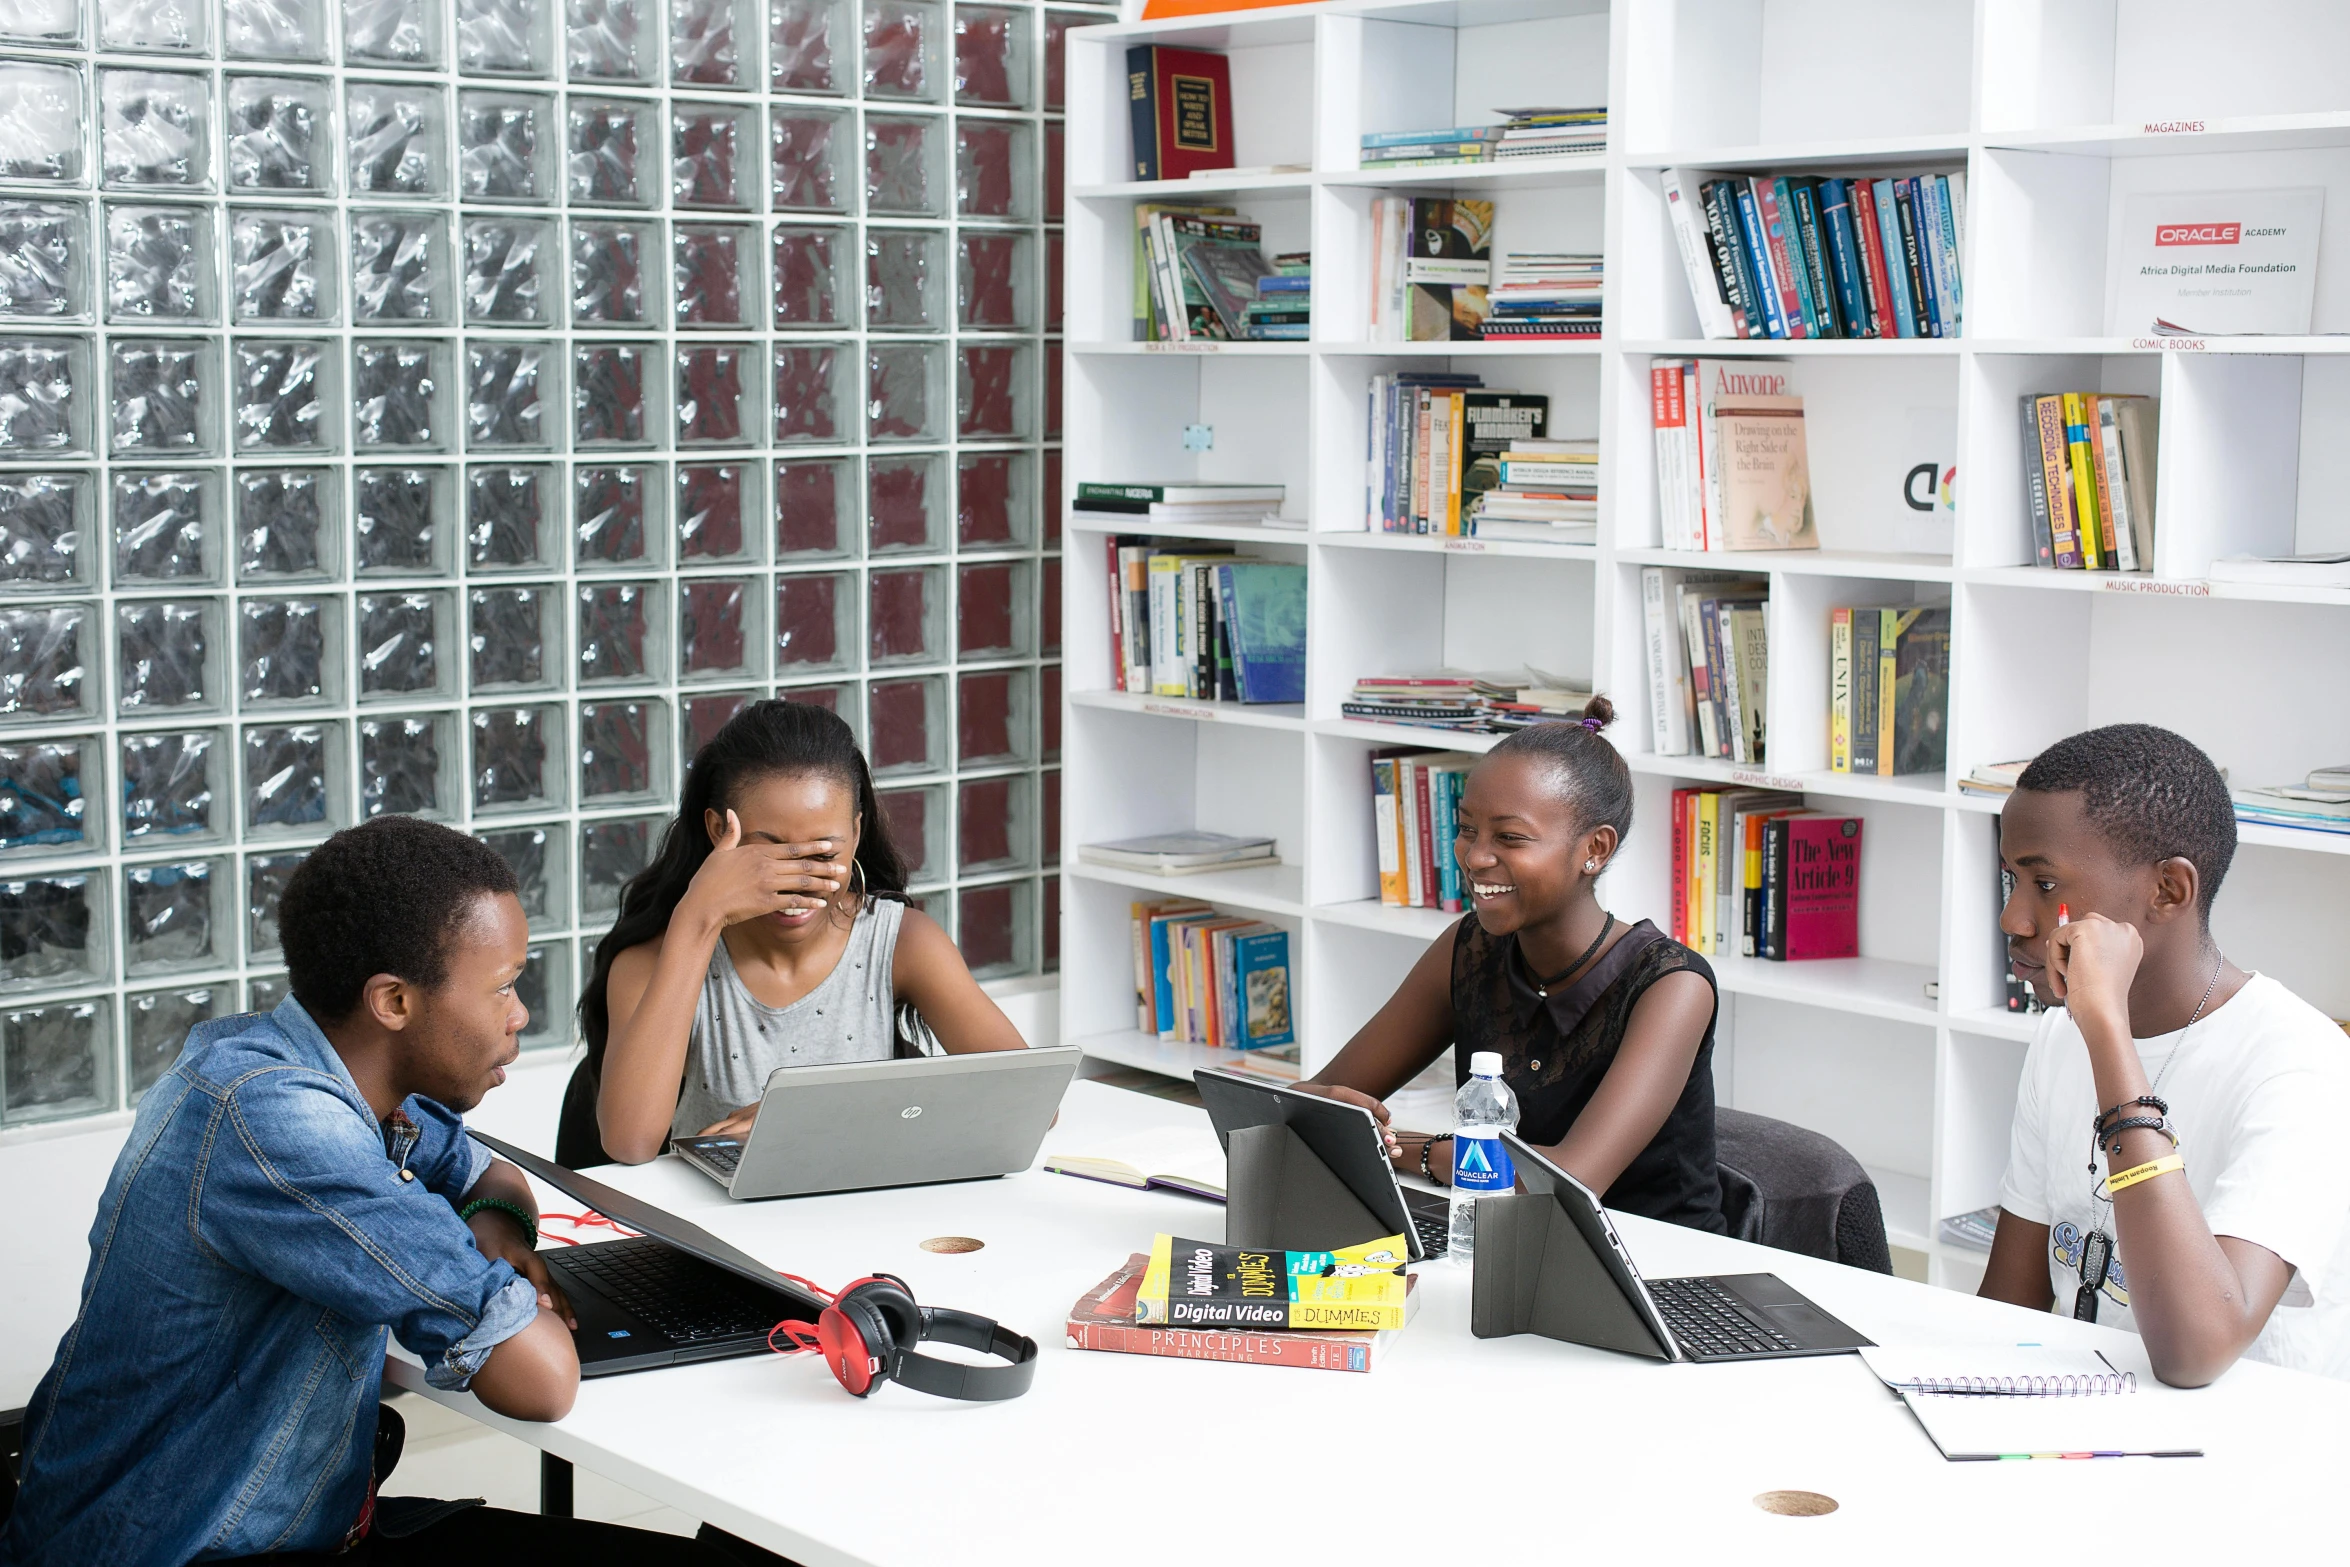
{"type": "Point", "coordinates": [764, 740]}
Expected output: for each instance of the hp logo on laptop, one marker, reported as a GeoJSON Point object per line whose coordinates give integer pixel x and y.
{"type": "Point", "coordinates": [908, 1113]}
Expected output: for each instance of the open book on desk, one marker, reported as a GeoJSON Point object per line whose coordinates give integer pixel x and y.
{"type": "Point", "coordinates": [1185, 1163]}
{"type": "Point", "coordinates": [2029, 1401]}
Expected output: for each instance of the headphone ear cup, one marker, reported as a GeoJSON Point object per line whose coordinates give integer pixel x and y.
{"type": "Point", "coordinates": [856, 1343]}
{"type": "Point", "coordinates": [894, 1303]}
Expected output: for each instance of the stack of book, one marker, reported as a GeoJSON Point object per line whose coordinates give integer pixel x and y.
{"type": "Point", "coordinates": [1888, 689]}
{"type": "Point", "coordinates": [1468, 703]}
{"type": "Point", "coordinates": [1205, 978]}
{"type": "Point", "coordinates": [1414, 798]}
{"type": "Point", "coordinates": [1528, 133]}
{"type": "Point", "coordinates": [1549, 491]}
{"type": "Point", "coordinates": [1708, 654]}
{"type": "Point", "coordinates": [1431, 267]}
{"type": "Point", "coordinates": [2089, 470]}
{"type": "Point", "coordinates": [1550, 133]}
{"type": "Point", "coordinates": [2321, 803]}
{"type": "Point", "coordinates": [1993, 780]}
{"type": "Point", "coordinates": [1282, 312]}
{"type": "Point", "coordinates": [1199, 621]}
{"type": "Point", "coordinates": [1200, 274]}
{"type": "Point", "coordinates": [1733, 465]}
{"type": "Point", "coordinates": [1436, 444]}
{"type": "Point", "coordinates": [1186, 500]}
{"type": "Point", "coordinates": [1545, 293]}
{"type": "Point", "coordinates": [1181, 853]}
{"type": "Point", "coordinates": [1758, 874]}
{"type": "Point", "coordinates": [1793, 256]}
{"type": "Point", "coordinates": [1115, 1316]}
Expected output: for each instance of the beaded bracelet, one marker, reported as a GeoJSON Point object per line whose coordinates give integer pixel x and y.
{"type": "Point", "coordinates": [530, 1226]}
{"type": "Point", "coordinates": [1427, 1173]}
{"type": "Point", "coordinates": [2159, 1107]}
{"type": "Point", "coordinates": [2124, 1180]}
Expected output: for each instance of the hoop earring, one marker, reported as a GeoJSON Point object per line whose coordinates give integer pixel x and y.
{"type": "Point", "coordinates": [857, 882]}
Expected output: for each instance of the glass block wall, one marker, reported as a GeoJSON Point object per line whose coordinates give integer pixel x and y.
{"type": "Point", "coordinates": [462, 407]}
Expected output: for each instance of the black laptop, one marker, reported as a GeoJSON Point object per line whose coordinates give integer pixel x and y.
{"type": "Point", "coordinates": [671, 1295]}
{"type": "Point", "coordinates": [1345, 1137]}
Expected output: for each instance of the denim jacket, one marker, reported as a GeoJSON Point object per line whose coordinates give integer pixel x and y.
{"type": "Point", "coordinates": [216, 1394]}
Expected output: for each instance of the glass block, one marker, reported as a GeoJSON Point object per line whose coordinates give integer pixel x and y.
{"type": "Point", "coordinates": [159, 264]}
{"type": "Point", "coordinates": [618, 643]}
{"type": "Point", "coordinates": [1056, 54]}
{"type": "Point", "coordinates": [715, 640]}
{"type": "Point", "coordinates": [995, 281]}
{"type": "Point", "coordinates": [403, 645]}
{"type": "Point", "coordinates": [716, 386]}
{"type": "Point", "coordinates": [610, 522]}
{"type": "Point", "coordinates": [392, 32]}
{"type": "Point", "coordinates": [396, 522]}
{"type": "Point", "coordinates": [505, 147]}
{"type": "Point", "coordinates": [808, 399]}
{"type": "Point", "coordinates": [611, 150]}
{"type": "Point", "coordinates": [43, 661]}
{"type": "Point", "coordinates": [56, 1060]}
{"type": "Point", "coordinates": [815, 623]}
{"type": "Point", "coordinates": [538, 859]}
{"type": "Point", "coordinates": [992, 56]}
{"type": "Point", "coordinates": [917, 820]}
{"type": "Point", "coordinates": [41, 135]}
{"type": "Point", "coordinates": [282, 397]}
{"type": "Point", "coordinates": [545, 991]}
{"type": "Point", "coordinates": [608, 263]}
{"type": "Point", "coordinates": [995, 718]}
{"type": "Point", "coordinates": [906, 619]}
{"type": "Point", "coordinates": [289, 651]}
{"type": "Point", "coordinates": [282, 266]}
{"type": "Point", "coordinates": [904, 280]}
{"type": "Point", "coordinates": [815, 508]}
{"type": "Point", "coordinates": [714, 267]}
{"type": "Point", "coordinates": [162, 399]}
{"type": "Point", "coordinates": [507, 387]}
{"type": "Point", "coordinates": [904, 165]}
{"type": "Point", "coordinates": [995, 500]}
{"type": "Point", "coordinates": [1048, 619]}
{"type": "Point", "coordinates": [610, 855]}
{"type": "Point", "coordinates": [995, 928]}
{"type": "Point", "coordinates": [705, 715]}
{"type": "Point", "coordinates": [175, 918]}
{"type": "Point", "coordinates": [905, 504]}
{"type": "Point", "coordinates": [280, 134]}
{"type": "Point", "coordinates": [805, 148]}
{"type": "Point", "coordinates": [154, 130]}
{"type": "Point", "coordinates": [505, 262]}
{"type": "Point", "coordinates": [400, 772]}
{"type": "Point", "coordinates": [514, 640]}
{"type": "Point", "coordinates": [705, 43]}
{"type": "Point", "coordinates": [166, 528]}
{"type": "Point", "coordinates": [712, 501]}
{"type": "Point", "coordinates": [167, 787]}
{"type": "Point", "coordinates": [282, 529]}
{"type": "Point", "coordinates": [839, 700]}
{"type": "Point", "coordinates": [44, 261]}
{"type": "Point", "coordinates": [1053, 369]}
{"type": "Point", "coordinates": [993, 828]}
{"type": "Point", "coordinates": [511, 518]}
{"type": "Point", "coordinates": [1051, 929]}
{"type": "Point", "coordinates": [994, 612]}
{"type": "Point", "coordinates": [44, 523]}
{"type": "Point", "coordinates": [1048, 495]}
{"type": "Point", "coordinates": [902, 39]}
{"type": "Point", "coordinates": [608, 392]}
{"type": "Point", "coordinates": [400, 267]}
{"type": "Point", "coordinates": [293, 779]}
{"type": "Point", "coordinates": [44, 794]}
{"type": "Point", "coordinates": [42, 408]}
{"type": "Point", "coordinates": [712, 152]}
{"type": "Point", "coordinates": [995, 396]}
{"type": "Point", "coordinates": [619, 744]}
{"type": "Point", "coordinates": [157, 1025]}
{"type": "Point", "coordinates": [811, 276]}
{"type": "Point", "coordinates": [1056, 162]}
{"type": "Point", "coordinates": [1048, 784]}
{"type": "Point", "coordinates": [939, 906]}
{"type": "Point", "coordinates": [266, 876]}
{"type": "Point", "coordinates": [995, 169]}
{"type": "Point", "coordinates": [166, 656]}
{"type": "Point", "coordinates": [904, 400]}
{"type": "Point", "coordinates": [264, 991]}
{"type": "Point", "coordinates": [398, 139]}
{"type": "Point", "coordinates": [54, 22]}
{"type": "Point", "coordinates": [611, 40]}
{"type": "Point", "coordinates": [397, 392]}
{"type": "Point", "coordinates": [1056, 246]}
{"type": "Point", "coordinates": [804, 37]}
{"type": "Point", "coordinates": [511, 747]}
{"type": "Point", "coordinates": [52, 931]}
{"type": "Point", "coordinates": [505, 37]}
{"type": "Point", "coordinates": [274, 30]}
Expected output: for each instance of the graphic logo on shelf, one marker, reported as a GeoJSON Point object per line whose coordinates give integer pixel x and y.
{"type": "Point", "coordinates": [2198, 233]}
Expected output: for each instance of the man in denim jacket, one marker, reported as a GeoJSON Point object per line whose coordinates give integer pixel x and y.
{"type": "Point", "coordinates": [296, 1184]}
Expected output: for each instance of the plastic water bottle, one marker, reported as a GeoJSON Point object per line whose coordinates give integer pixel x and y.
{"type": "Point", "coordinates": [1483, 1110]}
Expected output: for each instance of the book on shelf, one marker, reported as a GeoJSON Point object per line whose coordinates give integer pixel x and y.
{"type": "Point", "coordinates": [1181, 853]}
{"type": "Point", "coordinates": [1283, 309]}
{"type": "Point", "coordinates": [1707, 642]}
{"type": "Point", "coordinates": [1212, 979]}
{"type": "Point", "coordinates": [2090, 464]}
{"type": "Point", "coordinates": [1810, 887]}
{"type": "Point", "coordinates": [1993, 778]}
{"type": "Point", "coordinates": [1547, 490]}
{"type": "Point", "coordinates": [1732, 460]}
{"type": "Point", "coordinates": [1545, 294]}
{"type": "Point", "coordinates": [1888, 689]}
{"type": "Point", "coordinates": [1415, 797]}
{"type": "Point", "coordinates": [1970, 1231]}
{"type": "Point", "coordinates": [2291, 805]}
{"type": "Point", "coordinates": [1435, 448]}
{"type": "Point", "coordinates": [1181, 102]}
{"type": "Point", "coordinates": [1191, 1283]}
{"type": "Point", "coordinates": [1431, 268]}
{"type": "Point", "coordinates": [1205, 271]}
{"type": "Point", "coordinates": [2321, 569]}
{"type": "Point", "coordinates": [1472, 703]}
{"type": "Point", "coordinates": [1153, 245]}
{"type": "Point", "coordinates": [1526, 133]}
{"type": "Point", "coordinates": [1204, 623]}
{"type": "Point", "coordinates": [1104, 1319]}
{"type": "Point", "coordinates": [1716, 847]}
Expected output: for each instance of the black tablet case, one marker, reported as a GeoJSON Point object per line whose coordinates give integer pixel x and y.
{"type": "Point", "coordinates": [1535, 1273]}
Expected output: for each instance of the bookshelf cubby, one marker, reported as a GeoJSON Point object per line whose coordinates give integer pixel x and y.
{"type": "Point", "coordinates": [2057, 113]}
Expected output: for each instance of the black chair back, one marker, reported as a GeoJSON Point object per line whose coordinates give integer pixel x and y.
{"type": "Point", "coordinates": [1796, 1190]}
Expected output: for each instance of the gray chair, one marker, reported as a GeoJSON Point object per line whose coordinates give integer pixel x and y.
{"type": "Point", "coordinates": [1786, 1187]}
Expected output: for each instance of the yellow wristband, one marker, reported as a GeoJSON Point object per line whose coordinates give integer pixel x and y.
{"type": "Point", "coordinates": [2123, 1180]}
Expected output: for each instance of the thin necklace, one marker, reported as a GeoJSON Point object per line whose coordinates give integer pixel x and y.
{"type": "Point", "coordinates": [1542, 986]}
{"type": "Point", "coordinates": [2167, 1061]}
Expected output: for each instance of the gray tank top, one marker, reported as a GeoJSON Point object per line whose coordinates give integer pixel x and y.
{"type": "Point", "coordinates": [738, 1040]}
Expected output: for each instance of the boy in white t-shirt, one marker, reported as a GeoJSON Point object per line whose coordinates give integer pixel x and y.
{"type": "Point", "coordinates": [2173, 1168]}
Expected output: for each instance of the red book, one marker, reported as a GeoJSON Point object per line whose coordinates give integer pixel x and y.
{"type": "Point", "coordinates": [1823, 886]}
{"type": "Point", "coordinates": [1681, 865]}
{"type": "Point", "coordinates": [1104, 1319]}
{"type": "Point", "coordinates": [1777, 227]}
{"type": "Point", "coordinates": [1872, 257]}
{"type": "Point", "coordinates": [1117, 616]}
{"type": "Point", "coordinates": [1428, 894]}
{"type": "Point", "coordinates": [1182, 111]}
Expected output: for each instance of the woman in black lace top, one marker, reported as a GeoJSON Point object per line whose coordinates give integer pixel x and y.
{"type": "Point", "coordinates": [1605, 1030]}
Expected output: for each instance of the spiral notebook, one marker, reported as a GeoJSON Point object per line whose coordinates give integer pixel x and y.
{"type": "Point", "coordinates": [2031, 1401]}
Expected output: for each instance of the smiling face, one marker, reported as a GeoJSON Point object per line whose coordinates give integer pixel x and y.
{"type": "Point", "coordinates": [796, 808]}
{"type": "Point", "coordinates": [2059, 858]}
{"type": "Point", "coordinates": [459, 1037]}
{"type": "Point", "coordinates": [1519, 844]}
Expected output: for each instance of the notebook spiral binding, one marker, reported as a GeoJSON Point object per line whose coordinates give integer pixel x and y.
{"type": "Point", "coordinates": [2029, 1386]}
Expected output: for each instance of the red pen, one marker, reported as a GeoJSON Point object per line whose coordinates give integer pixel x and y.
{"type": "Point", "coordinates": [2064, 915]}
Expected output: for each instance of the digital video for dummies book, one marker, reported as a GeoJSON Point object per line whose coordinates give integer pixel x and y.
{"type": "Point", "coordinates": [1194, 1284]}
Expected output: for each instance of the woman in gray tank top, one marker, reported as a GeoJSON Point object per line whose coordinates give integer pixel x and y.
{"type": "Point", "coordinates": [771, 930]}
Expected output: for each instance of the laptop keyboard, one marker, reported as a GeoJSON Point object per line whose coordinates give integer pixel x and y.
{"type": "Point", "coordinates": [1708, 1320]}
{"type": "Point", "coordinates": [683, 1296]}
{"type": "Point", "coordinates": [719, 1153]}
{"type": "Point", "coordinates": [1431, 1221]}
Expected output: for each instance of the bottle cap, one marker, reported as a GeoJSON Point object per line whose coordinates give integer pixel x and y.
{"type": "Point", "coordinates": [1485, 1063]}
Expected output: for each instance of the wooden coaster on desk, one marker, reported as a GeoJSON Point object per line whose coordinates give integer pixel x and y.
{"type": "Point", "coordinates": [1796, 1504]}
{"type": "Point", "coordinates": [951, 1244]}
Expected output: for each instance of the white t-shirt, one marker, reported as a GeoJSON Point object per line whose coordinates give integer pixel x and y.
{"type": "Point", "coordinates": [2256, 1099]}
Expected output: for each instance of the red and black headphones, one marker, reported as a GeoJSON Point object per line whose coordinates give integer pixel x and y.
{"type": "Point", "coordinates": [867, 1333]}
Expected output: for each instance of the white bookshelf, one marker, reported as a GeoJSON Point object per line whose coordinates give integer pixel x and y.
{"type": "Point", "coordinates": [2058, 111]}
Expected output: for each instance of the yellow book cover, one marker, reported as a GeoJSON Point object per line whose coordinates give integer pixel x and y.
{"type": "Point", "coordinates": [1454, 455]}
{"type": "Point", "coordinates": [1840, 691]}
{"type": "Point", "coordinates": [1709, 821]}
{"type": "Point", "coordinates": [1197, 1284]}
{"type": "Point", "coordinates": [2081, 461]}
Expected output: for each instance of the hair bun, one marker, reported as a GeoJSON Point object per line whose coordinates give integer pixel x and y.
{"type": "Point", "coordinates": [1598, 713]}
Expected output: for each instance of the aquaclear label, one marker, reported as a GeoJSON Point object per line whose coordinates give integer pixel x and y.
{"type": "Point", "coordinates": [1481, 1164]}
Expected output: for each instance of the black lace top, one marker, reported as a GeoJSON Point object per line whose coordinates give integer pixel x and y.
{"type": "Point", "coordinates": [1555, 1050]}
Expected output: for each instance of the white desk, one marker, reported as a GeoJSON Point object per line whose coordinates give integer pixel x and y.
{"type": "Point", "coordinates": [1139, 1460]}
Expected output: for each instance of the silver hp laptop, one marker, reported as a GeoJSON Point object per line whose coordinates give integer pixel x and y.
{"type": "Point", "coordinates": [891, 1123]}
